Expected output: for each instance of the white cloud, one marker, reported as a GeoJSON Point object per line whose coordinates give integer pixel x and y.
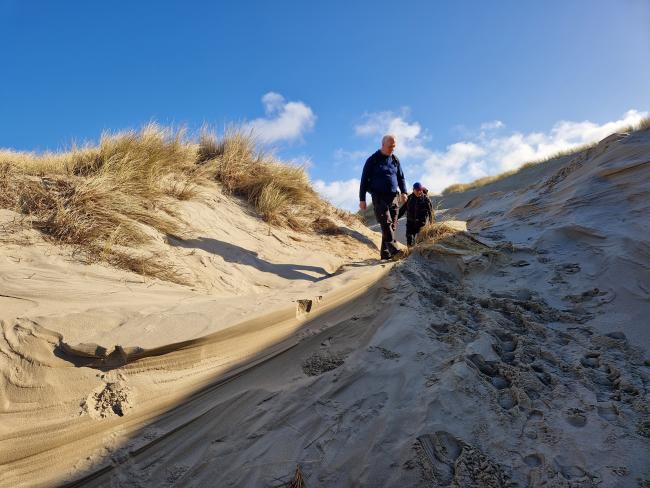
{"type": "Point", "coordinates": [492, 125]}
{"type": "Point", "coordinates": [477, 155]}
{"type": "Point", "coordinates": [411, 139]}
{"type": "Point", "coordinates": [284, 121]}
{"type": "Point", "coordinates": [354, 157]}
{"type": "Point", "coordinates": [344, 194]}
{"type": "Point", "coordinates": [484, 154]}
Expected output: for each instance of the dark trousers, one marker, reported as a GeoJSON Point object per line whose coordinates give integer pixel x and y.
{"type": "Point", "coordinates": [412, 229]}
{"type": "Point", "coordinates": [385, 207]}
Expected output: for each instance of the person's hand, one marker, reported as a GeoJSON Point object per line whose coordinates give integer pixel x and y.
{"type": "Point", "coordinates": [362, 205]}
{"type": "Point", "coordinates": [402, 197]}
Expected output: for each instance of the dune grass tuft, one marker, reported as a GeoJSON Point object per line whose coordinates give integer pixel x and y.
{"type": "Point", "coordinates": [298, 480]}
{"type": "Point", "coordinates": [281, 193]}
{"type": "Point", "coordinates": [643, 124]}
{"type": "Point", "coordinates": [325, 225]}
{"type": "Point", "coordinates": [121, 192]}
{"type": "Point", "coordinates": [436, 231]}
{"type": "Point", "coordinates": [441, 238]}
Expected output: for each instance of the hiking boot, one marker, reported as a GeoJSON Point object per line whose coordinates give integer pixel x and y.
{"type": "Point", "coordinates": [398, 255]}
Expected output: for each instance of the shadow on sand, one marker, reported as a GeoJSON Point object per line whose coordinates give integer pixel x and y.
{"type": "Point", "coordinates": [235, 254]}
{"type": "Point", "coordinates": [359, 237]}
{"type": "Point", "coordinates": [204, 405]}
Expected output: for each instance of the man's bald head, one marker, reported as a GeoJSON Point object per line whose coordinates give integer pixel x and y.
{"type": "Point", "coordinates": [388, 143]}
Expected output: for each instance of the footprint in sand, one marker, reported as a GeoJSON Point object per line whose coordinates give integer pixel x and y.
{"type": "Point", "coordinates": [534, 423]}
{"type": "Point", "coordinates": [591, 360]}
{"type": "Point", "coordinates": [570, 268]}
{"type": "Point", "coordinates": [576, 417]}
{"type": "Point", "coordinates": [643, 428]}
{"type": "Point", "coordinates": [175, 473]}
{"type": "Point", "coordinates": [505, 346]}
{"type": "Point", "coordinates": [386, 353]}
{"type": "Point", "coordinates": [588, 295]}
{"type": "Point", "coordinates": [617, 335]}
{"type": "Point", "coordinates": [319, 363]}
{"type": "Point", "coordinates": [534, 460]}
{"type": "Point", "coordinates": [439, 328]}
{"type": "Point", "coordinates": [489, 369]}
{"type": "Point", "coordinates": [107, 400]}
{"type": "Point", "coordinates": [441, 450]}
{"type": "Point", "coordinates": [499, 382]}
{"type": "Point", "coordinates": [567, 470]}
{"type": "Point", "coordinates": [448, 461]}
{"type": "Point", "coordinates": [507, 399]}
{"type": "Point", "coordinates": [607, 411]}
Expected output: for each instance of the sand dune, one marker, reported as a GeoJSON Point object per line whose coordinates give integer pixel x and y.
{"type": "Point", "coordinates": [510, 354]}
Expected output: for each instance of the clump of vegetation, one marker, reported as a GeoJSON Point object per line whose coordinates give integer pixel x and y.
{"type": "Point", "coordinates": [325, 225]}
{"type": "Point", "coordinates": [102, 199]}
{"type": "Point", "coordinates": [298, 480]}
{"type": "Point", "coordinates": [439, 238]}
{"type": "Point", "coordinates": [643, 125]}
{"type": "Point", "coordinates": [281, 193]}
{"type": "Point", "coordinates": [367, 215]}
{"type": "Point", "coordinates": [436, 231]}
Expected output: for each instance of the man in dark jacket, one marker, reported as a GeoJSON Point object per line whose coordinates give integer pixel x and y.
{"type": "Point", "coordinates": [418, 210]}
{"type": "Point", "coordinates": [383, 178]}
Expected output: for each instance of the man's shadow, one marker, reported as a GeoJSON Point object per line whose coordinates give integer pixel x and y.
{"type": "Point", "coordinates": [235, 254]}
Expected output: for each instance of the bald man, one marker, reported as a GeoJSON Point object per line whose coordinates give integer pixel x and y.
{"type": "Point", "coordinates": [383, 178]}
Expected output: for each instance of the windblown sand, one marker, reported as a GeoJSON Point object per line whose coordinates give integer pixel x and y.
{"type": "Point", "coordinates": [512, 355]}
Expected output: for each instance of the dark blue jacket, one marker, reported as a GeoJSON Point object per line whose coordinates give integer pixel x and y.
{"type": "Point", "coordinates": [381, 176]}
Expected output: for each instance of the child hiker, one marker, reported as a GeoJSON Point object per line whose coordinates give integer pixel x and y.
{"type": "Point", "coordinates": [418, 210]}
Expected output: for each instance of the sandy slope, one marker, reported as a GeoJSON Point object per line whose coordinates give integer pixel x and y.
{"type": "Point", "coordinates": [66, 326]}
{"type": "Point", "coordinates": [238, 266]}
{"type": "Point", "coordinates": [584, 232]}
{"type": "Point", "coordinates": [520, 362]}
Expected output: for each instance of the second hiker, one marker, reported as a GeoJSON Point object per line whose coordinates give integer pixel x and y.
{"type": "Point", "coordinates": [418, 210]}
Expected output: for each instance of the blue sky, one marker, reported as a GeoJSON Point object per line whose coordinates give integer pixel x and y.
{"type": "Point", "coordinates": [469, 87]}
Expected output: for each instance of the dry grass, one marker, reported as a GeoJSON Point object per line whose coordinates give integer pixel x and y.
{"type": "Point", "coordinates": [298, 480]}
{"type": "Point", "coordinates": [346, 216]}
{"type": "Point", "coordinates": [436, 231]}
{"type": "Point", "coordinates": [111, 191]}
{"type": "Point", "coordinates": [102, 199]}
{"type": "Point", "coordinates": [325, 225]}
{"type": "Point", "coordinates": [440, 238]}
{"type": "Point", "coordinates": [643, 125]}
{"type": "Point", "coordinates": [281, 193]}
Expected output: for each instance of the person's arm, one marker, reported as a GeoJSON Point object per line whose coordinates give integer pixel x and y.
{"type": "Point", "coordinates": [363, 186]}
{"type": "Point", "coordinates": [412, 204]}
{"type": "Point", "coordinates": [429, 210]}
{"type": "Point", "coordinates": [402, 210]}
{"type": "Point", "coordinates": [401, 182]}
